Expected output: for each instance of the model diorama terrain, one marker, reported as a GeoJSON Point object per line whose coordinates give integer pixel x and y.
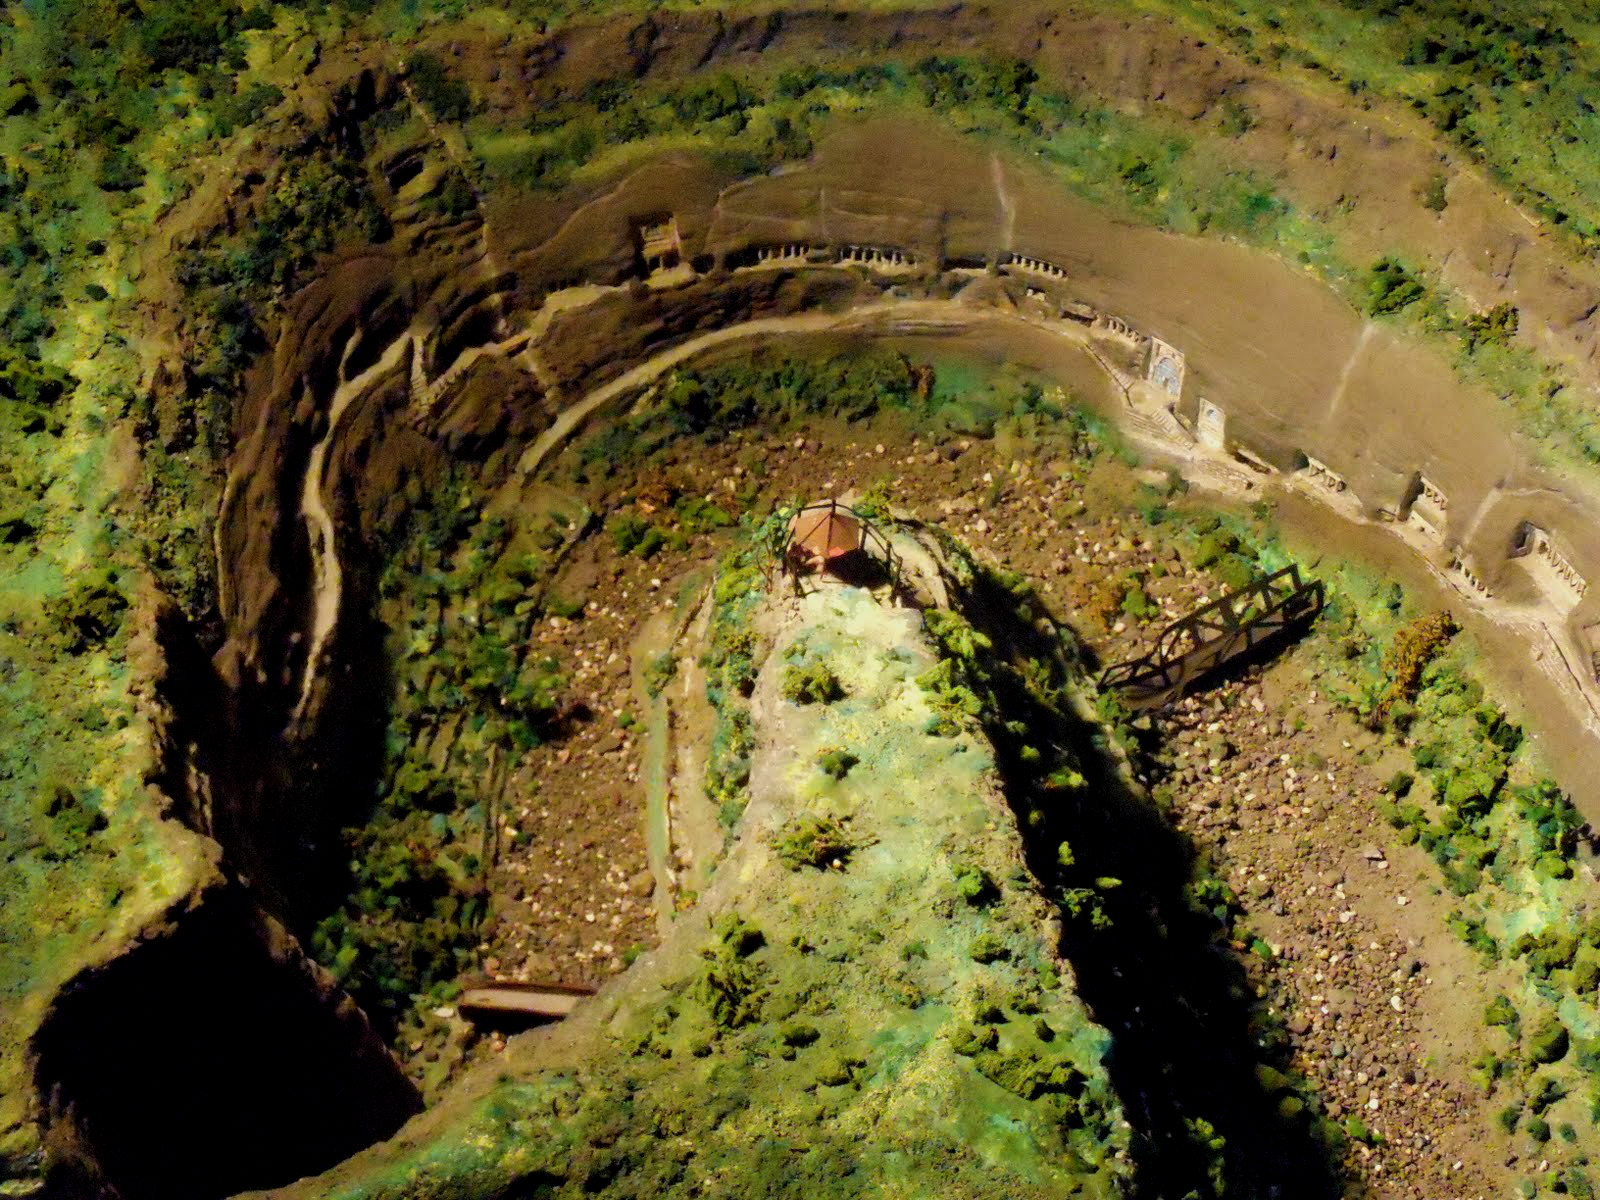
{"type": "Point", "coordinates": [889, 599]}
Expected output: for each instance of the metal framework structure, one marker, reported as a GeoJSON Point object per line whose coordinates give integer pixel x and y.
{"type": "Point", "coordinates": [1212, 635]}
{"type": "Point", "coordinates": [873, 545]}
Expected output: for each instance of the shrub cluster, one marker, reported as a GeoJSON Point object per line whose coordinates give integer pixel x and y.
{"type": "Point", "coordinates": [462, 593]}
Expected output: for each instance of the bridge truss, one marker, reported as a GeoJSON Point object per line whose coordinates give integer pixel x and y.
{"type": "Point", "coordinates": [1213, 635]}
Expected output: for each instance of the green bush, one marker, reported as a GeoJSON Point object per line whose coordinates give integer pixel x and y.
{"type": "Point", "coordinates": [1472, 931]}
{"type": "Point", "coordinates": [445, 97]}
{"type": "Point", "coordinates": [1496, 327]}
{"type": "Point", "coordinates": [813, 683]}
{"type": "Point", "coordinates": [836, 764]}
{"type": "Point", "coordinates": [1358, 1131]}
{"type": "Point", "coordinates": [89, 614]}
{"type": "Point", "coordinates": [798, 1034]}
{"type": "Point", "coordinates": [729, 985]}
{"type": "Point", "coordinates": [1549, 1042]}
{"type": "Point", "coordinates": [971, 1040]}
{"type": "Point", "coordinates": [811, 841]}
{"type": "Point", "coordinates": [1210, 549]}
{"type": "Point", "coordinates": [455, 199]}
{"type": "Point", "coordinates": [988, 948]}
{"type": "Point", "coordinates": [65, 821]}
{"type": "Point", "coordinates": [1552, 950]}
{"type": "Point", "coordinates": [1499, 1011]}
{"type": "Point", "coordinates": [1585, 972]}
{"type": "Point", "coordinates": [29, 381]}
{"type": "Point", "coordinates": [974, 885]}
{"type": "Point", "coordinates": [1432, 193]}
{"type": "Point", "coordinates": [698, 515]}
{"type": "Point", "coordinates": [1548, 1091]}
{"type": "Point", "coordinates": [1235, 572]}
{"type": "Point", "coordinates": [244, 108]}
{"type": "Point", "coordinates": [659, 673]}
{"type": "Point", "coordinates": [632, 534]}
{"type": "Point", "coordinates": [185, 35]}
{"type": "Point", "coordinates": [569, 609]}
{"type": "Point", "coordinates": [1390, 287]}
{"type": "Point", "coordinates": [1554, 821]}
{"type": "Point", "coordinates": [1137, 604]}
{"type": "Point", "coordinates": [1399, 783]}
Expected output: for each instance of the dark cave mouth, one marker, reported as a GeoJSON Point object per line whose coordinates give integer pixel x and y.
{"type": "Point", "coordinates": [208, 1061]}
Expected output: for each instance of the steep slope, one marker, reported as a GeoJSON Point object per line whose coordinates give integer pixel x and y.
{"type": "Point", "coordinates": [866, 999]}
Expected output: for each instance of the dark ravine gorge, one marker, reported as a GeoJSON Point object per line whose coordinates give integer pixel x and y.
{"type": "Point", "coordinates": [211, 1058]}
{"type": "Point", "coordinates": [210, 1055]}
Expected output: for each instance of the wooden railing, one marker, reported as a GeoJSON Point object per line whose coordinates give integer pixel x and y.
{"type": "Point", "coordinates": [874, 547]}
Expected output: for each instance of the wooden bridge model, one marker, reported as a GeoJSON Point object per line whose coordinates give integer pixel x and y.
{"type": "Point", "coordinates": [1214, 634]}
{"type": "Point", "coordinates": [497, 997]}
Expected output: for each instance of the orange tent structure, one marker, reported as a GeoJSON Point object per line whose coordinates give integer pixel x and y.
{"type": "Point", "coordinates": [822, 535]}
{"type": "Point", "coordinates": [829, 538]}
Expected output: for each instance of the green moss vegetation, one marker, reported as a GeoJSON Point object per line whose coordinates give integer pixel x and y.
{"type": "Point", "coordinates": [1390, 288]}
{"type": "Point", "coordinates": [732, 657]}
{"type": "Point", "coordinates": [812, 683]}
{"type": "Point", "coordinates": [85, 858]}
{"type": "Point", "coordinates": [836, 764]}
{"type": "Point", "coordinates": [105, 110]}
{"type": "Point", "coordinates": [1414, 647]}
{"type": "Point", "coordinates": [460, 595]}
{"type": "Point", "coordinates": [659, 672]}
{"type": "Point", "coordinates": [973, 885]}
{"type": "Point", "coordinates": [815, 841]}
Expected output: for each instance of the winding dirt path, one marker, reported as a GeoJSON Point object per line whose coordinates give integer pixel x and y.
{"type": "Point", "coordinates": [1540, 640]}
{"type": "Point", "coordinates": [326, 573]}
{"type": "Point", "coordinates": [898, 313]}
